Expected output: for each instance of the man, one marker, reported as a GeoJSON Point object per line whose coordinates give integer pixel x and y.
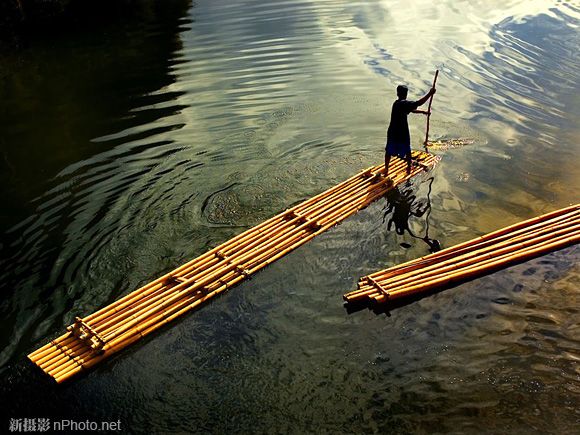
{"type": "Point", "coordinates": [398, 138]}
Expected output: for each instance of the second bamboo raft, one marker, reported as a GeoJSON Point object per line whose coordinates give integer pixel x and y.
{"type": "Point", "coordinates": [499, 249]}
{"type": "Point", "coordinates": [91, 339]}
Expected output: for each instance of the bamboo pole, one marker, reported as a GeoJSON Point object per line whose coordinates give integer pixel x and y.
{"type": "Point", "coordinates": [474, 256]}
{"type": "Point", "coordinates": [176, 271]}
{"type": "Point", "coordinates": [487, 237]}
{"type": "Point", "coordinates": [243, 243]}
{"type": "Point", "coordinates": [424, 277]}
{"type": "Point", "coordinates": [429, 111]}
{"type": "Point", "coordinates": [454, 251]}
{"type": "Point", "coordinates": [264, 248]}
{"type": "Point", "coordinates": [59, 378]}
{"type": "Point", "coordinates": [231, 241]}
{"type": "Point", "coordinates": [503, 246]}
{"type": "Point", "coordinates": [291, 248]}
{"type": "Point", "coordinates": [366, 289]}
{"type": "Point", "coordinates": [226, 246]}
{"type": "Point", "coordinates": [556, 244]}
{"type": "Point", "coordinates": [160, 301]}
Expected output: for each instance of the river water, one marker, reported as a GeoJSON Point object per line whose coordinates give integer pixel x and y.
{"type": "Point", "coordinates": [129, 148]}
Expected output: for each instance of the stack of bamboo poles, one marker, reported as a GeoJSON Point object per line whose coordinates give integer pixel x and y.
{"type": "Point", "coordinates": [93, 338]}
{"type": "Point", "coordinates": [477, 257]}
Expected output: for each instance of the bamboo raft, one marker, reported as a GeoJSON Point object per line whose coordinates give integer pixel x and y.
{"type": "Point", "coordinates": [92, 339]}
{"type": "Point", "coordinates": [483, 255]}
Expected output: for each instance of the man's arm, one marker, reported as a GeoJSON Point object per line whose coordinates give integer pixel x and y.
{"type": "Point", "coordinates": [425, 98]}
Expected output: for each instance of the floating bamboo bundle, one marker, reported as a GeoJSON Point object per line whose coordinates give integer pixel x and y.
{"type": "Point", "coordinates": [92, 339]}
{"type": "Point", "coordinates": [477, 257]}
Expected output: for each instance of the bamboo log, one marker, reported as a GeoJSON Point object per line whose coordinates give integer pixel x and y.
{"type": "Point", "coordinates": [454, 253]}
{"type": "Point", "coordinates": [255, 242]}
{"type": "Point", "coordinates": [398, 273]}
{"type": "Point", "coordinates": [488, 237]}
{"type": "Point", "coordinates": [528, 254]}
{"type": "Point", "coordinates": [161, 301]}
{"type": "Point", "coordinates": [475, 256]}
{"type": "Point", "coordinates": [108, 337]}
{"type": "Point", "coordinates": [362, 283]}
{"type": "Point", "coordinates": [213, 274]}
{"type": "Point", "coordinates": [499, 253]}
{"type": "Point", "coordinates": [235, 239]}
{"type": "Point", "coordinates": [502, 247]}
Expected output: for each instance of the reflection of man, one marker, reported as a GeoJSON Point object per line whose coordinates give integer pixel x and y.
{"type": "Point", "coordinates": [403, 205]}
{"type": "Point", "coordinates": [398, 138]}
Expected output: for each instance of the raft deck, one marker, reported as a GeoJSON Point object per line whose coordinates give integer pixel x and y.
{"type": "Point", "coordinates": [96, 337]}
{"type": "Point", "coordinates": [477, 257]}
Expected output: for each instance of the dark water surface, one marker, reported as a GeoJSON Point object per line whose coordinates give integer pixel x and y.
{"type": "Point", "coordinates": [129, 150]}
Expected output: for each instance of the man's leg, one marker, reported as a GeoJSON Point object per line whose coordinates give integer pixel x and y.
{"type": "Point", "coordinates": [408, 158]}
{"type": "Point", "coordinates": [387, 160]}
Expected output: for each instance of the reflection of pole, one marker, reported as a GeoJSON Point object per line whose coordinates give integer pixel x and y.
{"type": "Point", "coordinates": [429, 111]}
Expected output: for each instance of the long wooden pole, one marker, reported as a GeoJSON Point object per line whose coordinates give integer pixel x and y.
{"type": "Point", "coordinates": [491, 265]}
{"type": "Point", "coordinates": [424, 274]}
{"type": "Point", "coordinates": [429, 111]}
{"type": "Point", "coordinates": [265, 250]}
{"type": "Point", "coordinates": [237, 238]}
{"type": "Point", "coordinates": [256, 237]}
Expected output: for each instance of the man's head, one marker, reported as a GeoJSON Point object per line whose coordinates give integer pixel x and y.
{"type": "Point", "coordinates": [402, 91]}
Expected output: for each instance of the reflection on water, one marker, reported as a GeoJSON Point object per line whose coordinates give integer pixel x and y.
{"type": "Point", "coordinates": [403, 204]}
{"type": "Point", "coordinates": [125, 152]}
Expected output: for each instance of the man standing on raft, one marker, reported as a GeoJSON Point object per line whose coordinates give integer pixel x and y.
{"type": "Point", "coordinates": [398, 137]}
